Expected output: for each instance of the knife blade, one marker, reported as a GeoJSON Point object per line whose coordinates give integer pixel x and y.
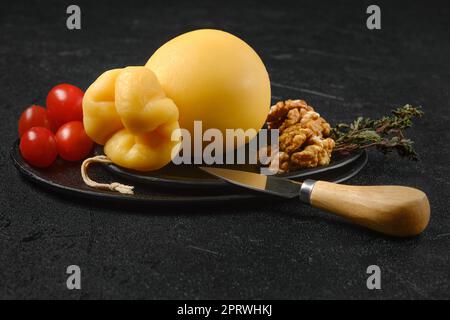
{"type": "Point", "coordinates": [272, 185]}
{"type": "Point", "coordinates": [392, 210]}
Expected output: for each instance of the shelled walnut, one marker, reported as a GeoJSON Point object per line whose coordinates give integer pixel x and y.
{"type": "Point", "coordinates": [304, 136]}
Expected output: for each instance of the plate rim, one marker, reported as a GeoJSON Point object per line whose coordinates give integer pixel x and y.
{"type": "Point", "coordinates": [214, 182]}
{"type": "Point", "coordinates": [137, 199]}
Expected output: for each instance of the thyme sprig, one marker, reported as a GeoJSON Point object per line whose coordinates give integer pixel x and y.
{"type": "Point", "coordinates": [385, 134]}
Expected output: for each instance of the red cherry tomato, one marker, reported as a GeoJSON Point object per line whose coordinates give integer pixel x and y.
{"type": "Point", "coordinates": [72, 141]}
{"type": "Point", "coordinates": [38, 147]}
{"type": "Point", "coordinates": [64, 104]}
{"type": "Point", "coordinates": [34, 116]}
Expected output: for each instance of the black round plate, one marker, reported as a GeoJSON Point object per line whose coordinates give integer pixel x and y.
{"type": "Point", "coordinates": [191, 177]}
{"type": "Point", "coordinates": [64, 177]}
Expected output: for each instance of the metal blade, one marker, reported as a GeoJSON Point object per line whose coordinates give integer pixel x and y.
{"type": "Point", "coordinates": [268, 184]}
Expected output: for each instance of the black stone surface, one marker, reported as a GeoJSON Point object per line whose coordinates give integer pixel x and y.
{"type": "Point", "coordinates": [319, 51]}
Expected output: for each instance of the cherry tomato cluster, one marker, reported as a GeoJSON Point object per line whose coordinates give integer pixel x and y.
{"type": "Point", "coordinates": [58, 129]}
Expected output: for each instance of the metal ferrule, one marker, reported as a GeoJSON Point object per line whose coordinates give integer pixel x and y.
{"type": "Point", "coordinates": [306, 190]}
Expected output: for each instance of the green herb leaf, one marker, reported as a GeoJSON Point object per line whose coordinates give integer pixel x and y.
{"type": "Point", "coordinates": [385, 134]}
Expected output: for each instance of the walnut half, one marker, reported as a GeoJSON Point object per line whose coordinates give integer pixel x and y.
{"type": "Point", "coordinates": [304, 136]}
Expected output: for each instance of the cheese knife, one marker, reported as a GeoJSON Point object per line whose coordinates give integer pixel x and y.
{"type": "Point", "coordinates": [392, 210]}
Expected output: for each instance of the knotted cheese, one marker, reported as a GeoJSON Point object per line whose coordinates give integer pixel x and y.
{"type": "Point", "coordinates": [127, 111]}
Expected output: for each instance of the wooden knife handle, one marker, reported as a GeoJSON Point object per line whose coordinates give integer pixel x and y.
{"type": "Point", "coordinates": [392, 210]}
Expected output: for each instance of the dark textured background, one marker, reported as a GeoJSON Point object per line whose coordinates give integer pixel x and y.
{"type": "Point", "coordinates": [255, 251]}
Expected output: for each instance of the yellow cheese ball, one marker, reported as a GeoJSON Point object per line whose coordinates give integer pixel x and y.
{"type": "Point", "coordinates": [215, 77]}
